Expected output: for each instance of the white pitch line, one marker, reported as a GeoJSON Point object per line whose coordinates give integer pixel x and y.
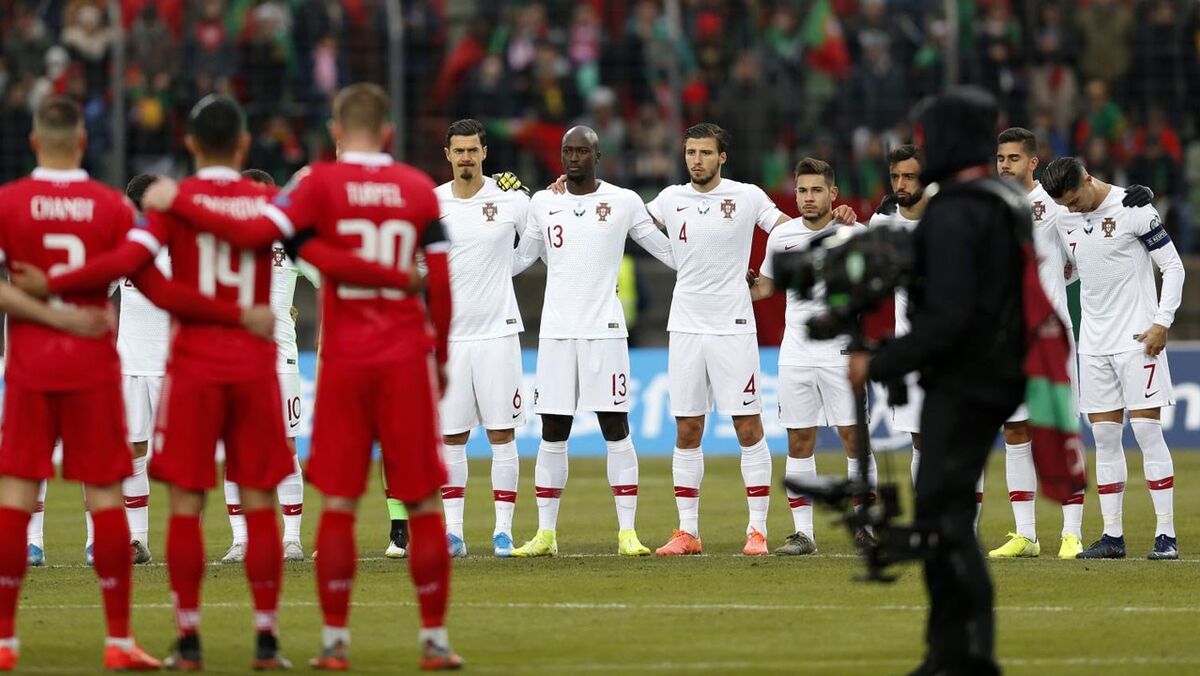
{"type": "Point", "coordinates": [827, 665]}
{"type": "Point", "coordinates": [754, 607]}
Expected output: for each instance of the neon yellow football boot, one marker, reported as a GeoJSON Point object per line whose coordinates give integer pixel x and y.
{"type": "Point", "coordinates": [543, 544]}
{"type": "Point", "coordinates": [1018, 546]}
{"type": "Point", "coordinates": [629, 545]}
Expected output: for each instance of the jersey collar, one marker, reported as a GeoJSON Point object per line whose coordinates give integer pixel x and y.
{"type": "Point", "coordinates": [368, 159]}
{"type": "Point", "coordinates": [59, 175]}
{"type": "Point", "coordinates": [219, 174]}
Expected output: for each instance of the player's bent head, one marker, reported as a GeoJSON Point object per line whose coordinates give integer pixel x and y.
{"type": "Point", "coordinates": [1068, 184]}
{"type": "Point", "coordinates": [137, 187]}
{"type": "Point", "coordinates": [58, 127]}
{"type": "Point", "coordinates": [1016, 153]}
{"type": "Point", "coordinates": [361, 108]}
{"type": "Point", "coordinates": [466, 128]}
{"type": "Point", "coordinates": [259, 176]}
{"type": "Point", "coordinates": [216, 128]}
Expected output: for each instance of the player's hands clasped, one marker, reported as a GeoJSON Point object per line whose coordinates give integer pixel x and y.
{"type": "Point", "coordinates": [1155, 339]}
{"type": "Point", "coordinates": [259, 321]}
{"type": "Point", "coordinates": [30, 279]}
{"type": "Point", "coordinates": [160, 195]}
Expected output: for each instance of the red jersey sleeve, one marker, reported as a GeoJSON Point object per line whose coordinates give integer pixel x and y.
{"type": "Point", "coordinates": [252, 233]}
{"type": "Point", "coordinates": [182, 301]}
{"type": "Point", "coordinates": [139, 240]}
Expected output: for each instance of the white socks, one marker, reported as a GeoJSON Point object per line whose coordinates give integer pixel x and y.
{"type": "Point", "coordinates": [549, 479]}
{"type": "Point", "coordinates": [623, 478]}
{"type": "Point", "coordinates": [801, 469]}
{"type": "Point", "coordinates": [1111, 474]}
{"type": "Point", "coordinates": [506, 469]}
{"type": "Point", "coordinates": [1160, 472]}
{"type": "Point", "coordinates": [687, 471]}
{"type": "Point", "coordinates": [291, 501]}
{"type": "Point", "coordinates": [756, 474]}
{"type": "Point", "coordinates": [454, 492]}
{"type": "Point", "coordinates": [136, 489]}
{"type": "Point", "coordinates": [852, 469]}
{"type": "Point", "coordinates": [36, 530]}
{"type": "Point", "coordinates": [233, 507]}
{"type": "Point", "coordinates": [1022, 487]}
{"type": "Point", "coordinates": [915, 465]}
{"type": "Point", "coordinates": [978, 500]}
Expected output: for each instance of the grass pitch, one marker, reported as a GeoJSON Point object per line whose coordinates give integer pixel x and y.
{"type": "Point", "coordinates": [590, 611]}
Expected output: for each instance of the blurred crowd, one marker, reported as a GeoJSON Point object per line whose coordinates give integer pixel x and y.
{"type": "Point", "coordinates": [1103, 79]}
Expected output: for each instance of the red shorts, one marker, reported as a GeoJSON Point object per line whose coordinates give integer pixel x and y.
{"type": "Point", "coordinates": [394, 403]}
{"type": "Point", "coordinates": [90, 422]}
{"type": "Point", "coordinates": [194, 413]}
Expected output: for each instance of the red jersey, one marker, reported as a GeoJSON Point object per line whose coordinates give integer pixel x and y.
{"type": "Point", "coordinates": [217, 270]}
{"type": "Point", "coordinates": [57, 221]}
{"type": "Point", "coordinates": [386, 212]}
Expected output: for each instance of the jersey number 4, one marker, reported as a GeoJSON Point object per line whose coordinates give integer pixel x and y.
{"type": "Point", "coordinates": [390, 244]}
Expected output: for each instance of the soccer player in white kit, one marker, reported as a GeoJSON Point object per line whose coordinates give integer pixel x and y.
{"type": "Point", "coordinates": [483, 370]}
{"type": "Point", "coordinates": [1122, 340]}
{"type": "Point", "coordinates": [813, 389]}
{"type": "Point", "coordinates": [583, 353]}
{"type": "Point", "coordinates": [284, 273]}
{"type": "Point", "coordinates": [713, 352]}
{"type": "Point", "coordinates": [1016, 159]}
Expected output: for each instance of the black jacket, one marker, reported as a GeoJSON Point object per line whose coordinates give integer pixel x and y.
{"type": "Point", "coordinates": [967, 316]}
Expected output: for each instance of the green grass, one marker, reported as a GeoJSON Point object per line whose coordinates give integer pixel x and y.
{"type": "Point", "coordinates": [590, 611]}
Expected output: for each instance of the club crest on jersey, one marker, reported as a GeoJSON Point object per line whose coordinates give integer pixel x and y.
{"type": "Point", "coordinates": [490, 211]}
{"type": "Point", "coordinates": [602, 211]}
{"type": "Point", "coordinates": [727, 208]}
{"type": "Point", "coordinates": [277, 256]}
{"type": "Point", "coordinates": [1039, 210]}
{"type": "Point", "coordinates": [1109, 226]}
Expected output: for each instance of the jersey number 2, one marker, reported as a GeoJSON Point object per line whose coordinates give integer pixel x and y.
{"type": "Point", "coordinates": [72, 245]}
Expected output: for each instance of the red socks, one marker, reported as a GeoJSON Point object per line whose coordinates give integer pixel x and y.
{"type": "Point", "coordinates": [264, 566]}
{"type": "Point", "coordinates": [185, 570]}
{"type": "Point", "coordinates": [429, 565]}
{"type": "Point", "coordinates": [114, 567]}
{"type": "Point", "coordinates": [336, 565]}
{"type": "Point", "coordinates": [13, 562]}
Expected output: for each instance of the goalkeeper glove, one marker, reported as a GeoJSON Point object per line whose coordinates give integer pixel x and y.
{"type": "Point", "coordinates": [1138, 196]}
{"type": "Point", "coordinates": [509, 181]}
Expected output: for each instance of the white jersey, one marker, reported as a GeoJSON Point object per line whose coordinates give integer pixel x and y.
{"type": "Point", "coordinates": [797, 348]}
{"type": "Point", "coordinates": [711, 234]}
{"type": "Point", "coordinates": [482, 231]}
{"type": "Point", "coordinates": [283, 293]}
{"type": "Point", "coordinates": [583, 237]}
{"type": "Point", "coordinates": [1115, 249]}
{"type": "Point", "coordinates": [1049, 247]}
{"type": "Point", "coordinates": [897, 220]}
{"type": "Point", "coordinates": [144, 332]}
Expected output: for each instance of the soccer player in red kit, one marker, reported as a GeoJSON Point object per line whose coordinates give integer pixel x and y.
{"type": "Point", "coordinates": [64, 386]}
{"type": "Point", "coordinates": [378, 379]}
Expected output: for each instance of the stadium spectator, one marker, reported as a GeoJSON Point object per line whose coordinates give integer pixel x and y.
{"type": "Point", "coordinates": [1103, 119]}
{"type": "Point", "coordinates": [266, 57]}
{"type": "Point", "coordinates": [15, 124]}
{"type": "Point", "coordinates": [1106, 28]}
{"type": "Point", "coordinates": [1053, 85]}
{"type": "Point", "coordinates": [652, 149]}
{"type": "Point", "coordinates": [747, 108]}
{"type": "Point", "coordinates": [208, 52]}
{"type": "Point", "coordinates": [89, 41]}
{"type": "Point", "coordinates": [152, 45]}
{"type": "Point", "coordinates": [25, 44]}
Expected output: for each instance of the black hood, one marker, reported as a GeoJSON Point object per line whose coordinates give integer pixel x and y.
{"type": "Point", "coordinates": [960, 131]}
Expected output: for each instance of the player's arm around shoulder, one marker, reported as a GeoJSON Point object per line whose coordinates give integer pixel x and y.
{"type": "Point", "coordinates": [763, 284]}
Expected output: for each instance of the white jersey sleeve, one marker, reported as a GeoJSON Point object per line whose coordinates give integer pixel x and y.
{"type": "Point", "coordinates": [767, 214]}
{"type": "Point", "coordinates": [1050, 249]}
{"type": "Point", "coordinates": [283, 295]}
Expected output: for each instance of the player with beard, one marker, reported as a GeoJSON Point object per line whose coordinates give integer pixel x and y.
{"type": "Point", "coordinates": [813, 389]}
{"type": "Point", "coordinates": [583, 352]}
{"type": "Point", "coordinates": [484, 365]}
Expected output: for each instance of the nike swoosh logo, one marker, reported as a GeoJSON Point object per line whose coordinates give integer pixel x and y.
{"type": "Point", "coordinates": [556, 212]}
{"type": "Point", "coordinates": [747, 403]}
{"type": "Point", "coordinates": [678, 209]}
{"type": "Point", "coordinates": [757, 492]}
{"type": "Point", "coordinates": [1152, 394]}
{"type": "Point", "coordinates": [516, 415]}
{"type": "Point", "coordinates": [297, 424]}
{"type": "Point", "coordinates": [1069, 232]}
{"type": "Point", "coordinates": [618, 403]}
{"type": "Point", "coordinates": [789, 247]}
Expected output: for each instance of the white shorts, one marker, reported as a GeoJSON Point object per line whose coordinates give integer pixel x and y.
{"type": "Point", "coordinates": [907, 418]}
{"type": "Point", "coordinates": [289, 392]}
{"type": "Point", "coordinates": [701, 368]}
{"type": "Point", "coordinates": [484, 386]}
{"type": "Point", "coordinates": [1129, 380]}
{"type": "Point", "coordinates": [582, 374]}
{"type": "Point", "coordinates": [815, 396]}
{"type": "Point", "coordinates": [141, 406]}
